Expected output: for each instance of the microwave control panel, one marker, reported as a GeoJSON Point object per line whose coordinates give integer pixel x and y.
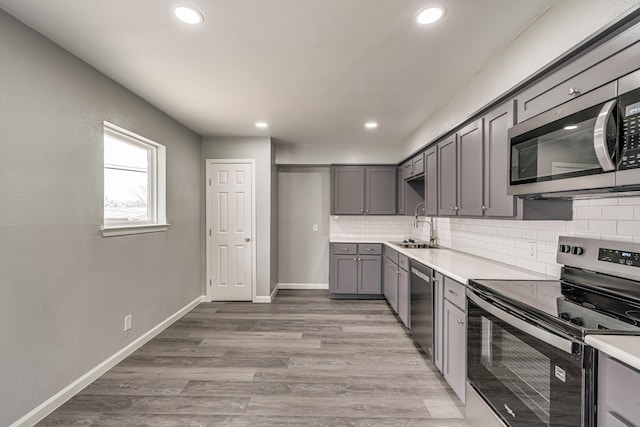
{"type": "Point", "coordinates": [630, 135]}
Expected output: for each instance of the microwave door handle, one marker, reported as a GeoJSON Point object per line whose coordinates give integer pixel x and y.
{"type": "Point", "coordinates": [600, 137]}
{"type": "Point", "coordinates": [543, 335]}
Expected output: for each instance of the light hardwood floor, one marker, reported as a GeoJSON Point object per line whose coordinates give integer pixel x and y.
{"type": "Point", "coordinates": [303, 360]}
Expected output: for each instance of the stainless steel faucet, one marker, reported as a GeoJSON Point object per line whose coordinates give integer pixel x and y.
{"type": "Point", "coordinates": [432, 233]}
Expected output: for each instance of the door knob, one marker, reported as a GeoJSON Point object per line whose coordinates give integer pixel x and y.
{"type": "Point", "coordinates": [247, 239]}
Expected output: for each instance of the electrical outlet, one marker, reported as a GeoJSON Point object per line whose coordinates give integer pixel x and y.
{"type": "Point", "coordinates": [128, 322]}
{"type": "Point", "coordinates": [315, 227]}
{"type": "Point", "coordinates": [532, 250]}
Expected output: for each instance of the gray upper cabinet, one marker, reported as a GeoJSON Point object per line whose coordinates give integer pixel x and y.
{"type": "Point", "coordinates": [407, 170]}
{"type": "Point", "coordinates": [400, 192]}
{"type": "Point", "coordinates": [604, 64]}
{"type": "Point", "coordinates": [470, 170]}
{"type": "Point", "coordinates": [448, 176]}
{"type": "Point", "coordinates": [348, 190]}
{"type": "Point", "coordinates": [380, 190]}
{"type": "Point", "coordinates": [362, 190]}
{"type": "Point", "coordinates": [417, 164]}
{"type": "Point", "coordinates": [496, 158]}
{"type": "Point", "coordinates": [431, 181]}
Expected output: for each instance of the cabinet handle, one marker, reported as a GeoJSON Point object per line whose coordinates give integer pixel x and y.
{"type": "Point", "coordinates": [452, 292]}
{"type": "Point", "coordinates": [370, 249]}
{"type": "Point", "coordinates": [573, 91]}
{"type": "Point", "coordinates": [398, 272]}
{"type": "Point", "coordinates": [456, 208]}
{"type": "Point", "coordinates": [484, 208]}
{"type": "Point", "coordinates": [450, 208]}
{"type": "Point", "coordinates": [355, 259]}
{"type": "Point", "coordinates": [367, 210]}
{"type": "Point", "coordinates": [361, 210]}
{"type": "Point", "coordinates": [460, 322]}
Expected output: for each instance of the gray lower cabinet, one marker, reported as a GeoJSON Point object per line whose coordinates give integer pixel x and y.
{"type": "Point", "coordinates": [438, 328]}
{"type": "Point", "coordinates": [390, 271]}
{"type": "Point", "coordinates": [618, 399]}
{"type": "Point", "coordinates": [363, 190]}
{"type": "Point", "coordinates": [355, 269]}
{"type": "Point", "coordinates": [450, 332]}
{"type": "Point", "coordinates": [404, 297]}
{"type": "Point", "coordinates": [455, 348]}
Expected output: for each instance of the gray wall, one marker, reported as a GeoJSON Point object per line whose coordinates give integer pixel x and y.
{"type": "Point", "coordinates": [304, 200]}
{"type": "Point", "coordinates": [260, 149]}
{"type": "Point", "coordinates": [64, 289]}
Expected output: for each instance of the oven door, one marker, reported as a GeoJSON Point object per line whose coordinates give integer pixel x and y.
{"type": "Point", "coordinates": [573, 147]}
{"type": "Point", "coordinates": [530, 376]}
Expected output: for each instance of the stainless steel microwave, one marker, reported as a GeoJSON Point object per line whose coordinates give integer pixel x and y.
{"type": "Point", "coordinates": [586, 147]}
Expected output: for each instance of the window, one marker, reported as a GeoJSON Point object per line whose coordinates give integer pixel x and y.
{"type": "Point", "coordinates": [134, 183]}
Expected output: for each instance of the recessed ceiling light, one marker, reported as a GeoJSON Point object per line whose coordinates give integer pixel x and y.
{"type": "Point", "coordinates": [430, 15]}
{"type": "Point", "coordinates": [188, 15]}
{"type": "Point", "coordinates": [371, 125]}
{"type": "Point", "coordinates": [571, 127]}
{"type": "Point", "coordinates": [262, 125]}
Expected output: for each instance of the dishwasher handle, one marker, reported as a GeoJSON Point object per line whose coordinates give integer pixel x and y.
{"type": "Point", "coordinates": [420, 274]}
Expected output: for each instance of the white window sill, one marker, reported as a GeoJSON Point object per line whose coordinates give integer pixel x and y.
{"type": "Point", "coordinates": [123, 230]}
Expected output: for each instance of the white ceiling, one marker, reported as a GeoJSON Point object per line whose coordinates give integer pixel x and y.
{"type": "Point", "coordinates": [316, 70]}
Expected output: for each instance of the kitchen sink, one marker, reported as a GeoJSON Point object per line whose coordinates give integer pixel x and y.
{"type": "Point", "coordinates": [413, 244]}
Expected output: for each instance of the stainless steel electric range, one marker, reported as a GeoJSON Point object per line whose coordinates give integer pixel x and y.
{"type": "Point", "coordinates": [528, 364]}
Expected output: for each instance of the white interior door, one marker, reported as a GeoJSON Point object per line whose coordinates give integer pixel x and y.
{"type": "Point", "coordinates": [229, 224]}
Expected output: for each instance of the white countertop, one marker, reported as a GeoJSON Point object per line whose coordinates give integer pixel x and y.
{"type": "Point", "coordinates": [457, 265]}
{"type": "Point", "coordinates": [622, 347]}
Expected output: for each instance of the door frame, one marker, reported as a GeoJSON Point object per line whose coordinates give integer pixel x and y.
{"type": "Point", "coordinates": [208, 225]}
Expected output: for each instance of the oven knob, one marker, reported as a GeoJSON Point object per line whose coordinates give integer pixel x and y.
{"type": "Point", "coordinates": [565, 316]}
{"type": "Point", "coordinates": [577, 250]}
{"type": "Point", "coordinates": [565, 249]}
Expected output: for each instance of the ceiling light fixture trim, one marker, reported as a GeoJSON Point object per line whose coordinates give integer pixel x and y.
{"type": "Point", "coordinates": [188, 15]}
{"type": "Point", "coordinates": [262, 125]}
{"type": "Point", "coordinates": [371, 125]}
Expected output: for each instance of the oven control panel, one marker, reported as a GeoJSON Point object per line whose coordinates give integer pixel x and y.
{"type": "Point", "coordinates": [604, 256]}
{"type": "Point", "coordinates": [619, 257]}
{"type": "Point", "coordinates": [630, 131]}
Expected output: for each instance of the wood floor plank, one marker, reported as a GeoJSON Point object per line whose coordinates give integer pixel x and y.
{"type": "Point", "coordinates": [304, 360]}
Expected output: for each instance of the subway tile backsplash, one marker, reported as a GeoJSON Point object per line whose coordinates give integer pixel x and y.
{"type": "Point", "coordinates": [526, 244]}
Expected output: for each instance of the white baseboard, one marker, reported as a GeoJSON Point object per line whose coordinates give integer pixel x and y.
{"type": "Point", "coordinates": [275, 291]}
{"type": "Point", "coordinates": [303, 286]}
{"type": "Point", "coordinates": [75, 387]}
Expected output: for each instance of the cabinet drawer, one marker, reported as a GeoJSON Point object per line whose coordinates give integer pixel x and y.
{"type": "Point", "coordinates": [391, 254]}
{"type": "Point", "coordinates": [610, 420]}
{"type": "Point", "coordinates": [621, 383]}
{"type": "Point", "coordinates": [370, 249]}
{"type": "Point", "coordinates": [345, 248]}
{"type": "Point", "coordinates": [403, 262]}
{"type": "Point", "coordinates": [455, 292]}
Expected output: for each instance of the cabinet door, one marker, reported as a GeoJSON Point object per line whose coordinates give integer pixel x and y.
{"type": "Point", "coordinates": [455, 352]}
{"type": "Point", "coordinates": [344, 278]}
{"type": "Point", "coordinates": [496, 160]}
{"type": "Point", "coordinates": [404, 297]}
{"type": "Point", "coordinates": [448, 177]}
{"type": "Point", "coordinates": [438, 327]}
{"type": "Point", "coordinates": [380, 190]}
{"type": "Point", "coordinates": [370, 274]}
{"type": "Point", "coordinates": [470, 170]}
{"type": "Point", "coordinates": [400, 194]}
{"type": "Point", "coordinates": [407, 171]}
{"type": "Point", "coordinates": [431, 181]}
{"type": "Point", "coordinates": [417, 164]}
{"type": "Point", "coordinates": [348, 190]}
{"type": "Point", "coordinates": [391, 283]}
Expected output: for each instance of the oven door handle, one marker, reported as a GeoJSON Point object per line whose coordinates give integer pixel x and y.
{"type": "Point", "coordinates": [550, 338]}
{"type": "Point", "coordinates": [600, 137]}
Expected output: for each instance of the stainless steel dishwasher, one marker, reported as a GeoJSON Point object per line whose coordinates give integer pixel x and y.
{"type": "Point", "coordinates": [422, 306]}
